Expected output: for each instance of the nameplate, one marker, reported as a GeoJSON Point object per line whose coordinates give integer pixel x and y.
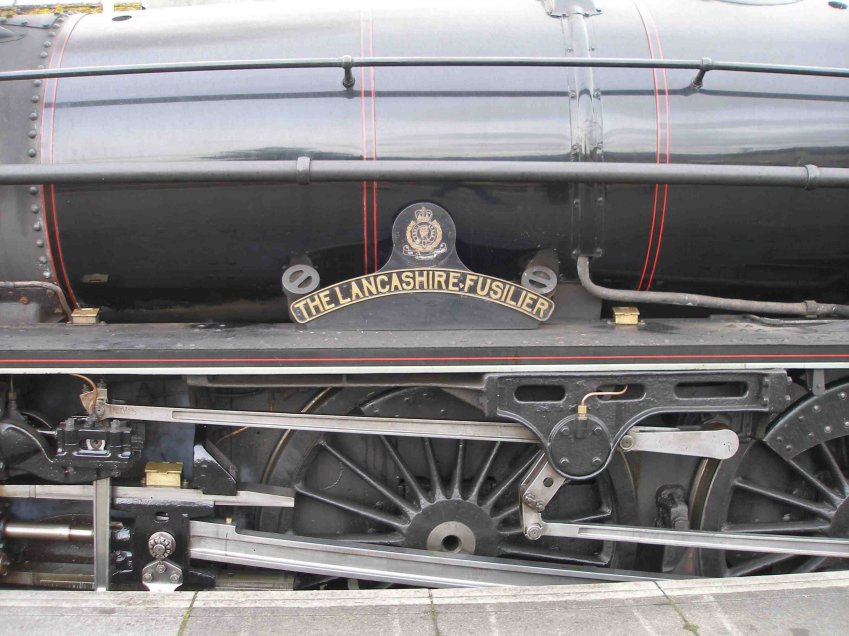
{"type": "Point", "coordinates": [421, 281]}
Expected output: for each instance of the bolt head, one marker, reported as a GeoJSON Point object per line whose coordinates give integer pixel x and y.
{"type": "Point", "coordinates": [147, 576]}
{"type": "Point", "coordinates": [175, 578]}
{"type": "Point", "coordinates": [596, 461]}
{"type": "Point", "coordinates": [160, 568]}
{"type": "Point", "coordinates": [534, 532]}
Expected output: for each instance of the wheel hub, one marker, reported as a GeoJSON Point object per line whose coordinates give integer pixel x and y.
{"type": "Point", "coordinates": [453, 525]}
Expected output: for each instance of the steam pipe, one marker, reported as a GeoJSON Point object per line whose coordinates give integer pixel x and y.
{"type": "Point", "coordinates": [806, 308]}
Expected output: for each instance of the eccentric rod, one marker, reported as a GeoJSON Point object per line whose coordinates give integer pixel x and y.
{"type": "Point", "coordinates": [305, 171]}
{"type": "Point", "coordinates": [806, 308]}
{"type": "Point", "coordinates": [347, 62]}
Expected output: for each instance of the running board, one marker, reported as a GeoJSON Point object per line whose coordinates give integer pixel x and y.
{"type": "Point", "coordinates": [223, 544]}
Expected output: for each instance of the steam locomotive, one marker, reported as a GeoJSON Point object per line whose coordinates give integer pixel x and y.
{"type": "Point", "coordinates": [424, 293]}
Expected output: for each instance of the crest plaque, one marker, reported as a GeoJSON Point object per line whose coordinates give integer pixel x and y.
{"type": "Point", "coordinates": [423, 286]}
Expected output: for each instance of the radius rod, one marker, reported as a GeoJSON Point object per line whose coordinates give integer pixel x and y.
{"type": "Point", "coordinates": [718, 444]}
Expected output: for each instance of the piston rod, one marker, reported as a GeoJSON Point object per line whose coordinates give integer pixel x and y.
{"type": "Point", "coordinates": [46, 531]}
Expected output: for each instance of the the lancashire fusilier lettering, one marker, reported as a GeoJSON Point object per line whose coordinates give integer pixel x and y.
{"type": "Point", "coordinates": [431, 280]}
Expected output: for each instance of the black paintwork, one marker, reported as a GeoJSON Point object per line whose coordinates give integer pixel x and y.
{"type": "Point", "coordinates": [175, 247]}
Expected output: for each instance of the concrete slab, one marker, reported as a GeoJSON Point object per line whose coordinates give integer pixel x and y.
{"type": "Point", "coordinates": [366, 612]}
{"type": "Point", "coordinates": [798, 605]}
{"type": "Point", "coordinates": [91, 613]}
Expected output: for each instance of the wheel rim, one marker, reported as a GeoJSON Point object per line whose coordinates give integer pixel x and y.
{"type": "Point", "coordinates": [760, 491]}
{"type": "Point", "coordinates": [446, 495]}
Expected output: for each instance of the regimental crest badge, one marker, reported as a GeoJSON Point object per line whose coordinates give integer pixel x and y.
{"type": "Point", "coordinates": [424, 236]}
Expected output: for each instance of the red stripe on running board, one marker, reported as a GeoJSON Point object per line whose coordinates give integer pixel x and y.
{"type": "Point", "coordinates": [682, 356]}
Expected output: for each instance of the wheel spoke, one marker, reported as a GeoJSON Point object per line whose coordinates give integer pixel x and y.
{"type": "Point", "coordinates": [505, 512]}
{"type": "Point", "coordinates": [845, 445]}
{"type": "Point", "coordinates": [811, 564]}
{"type": "Point", "coordinates": [834, 467]}
{"type": "Point", "coordinates": [505, 485]}
{"type": "Point", "coordinates": [758, 563]}
{"type": "Point", "coordinates": [409, 479]}
{"type": "Point", "coordinates": [791, 500]}
{"type": "Point", "coordinates": [483, 471]}
{"type": "Point", "coordinates": [539, 553]}
{"type": "Point", "coordinates": [402, 504]}
{"type": "Point", "coordinates": [777, 527]}
{"type": "Point", "coordinates": [457, 474]}
{"type": "Point", "coordinates": [435, 480]}
{"type": "Point", "coordinates": [354, 508]}
{"type": "Point", "coordinates": [834, 498]}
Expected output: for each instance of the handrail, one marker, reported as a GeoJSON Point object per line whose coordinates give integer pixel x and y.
{"type": "Point", "coordinates": [347, 63]}
{"type": "Point", "coordinates": [304, 171]}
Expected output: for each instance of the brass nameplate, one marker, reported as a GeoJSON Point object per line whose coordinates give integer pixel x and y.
{"type": "Point", "coordinates": [417, 281]}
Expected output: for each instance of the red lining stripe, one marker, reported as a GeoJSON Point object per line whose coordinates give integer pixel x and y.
{"type": "Point", "coordinates": [650, 29]}
{"type": "Point", "coordinates": [365, 155]}
{"type": "Point", "coordinates": [368, 74]}
{"type": "Point", "coordinates": [682, 356]}
{"type": "Point", "coordinates": [668, 137]}
{"type": "Point", "coordinates": [45, 211]}
{"type": "Point", "coordinates": [50, 217]}
{"type": "Point", "coordinates": [657, 146]}
{"type": "Point", "coordinates": [373, 138]}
